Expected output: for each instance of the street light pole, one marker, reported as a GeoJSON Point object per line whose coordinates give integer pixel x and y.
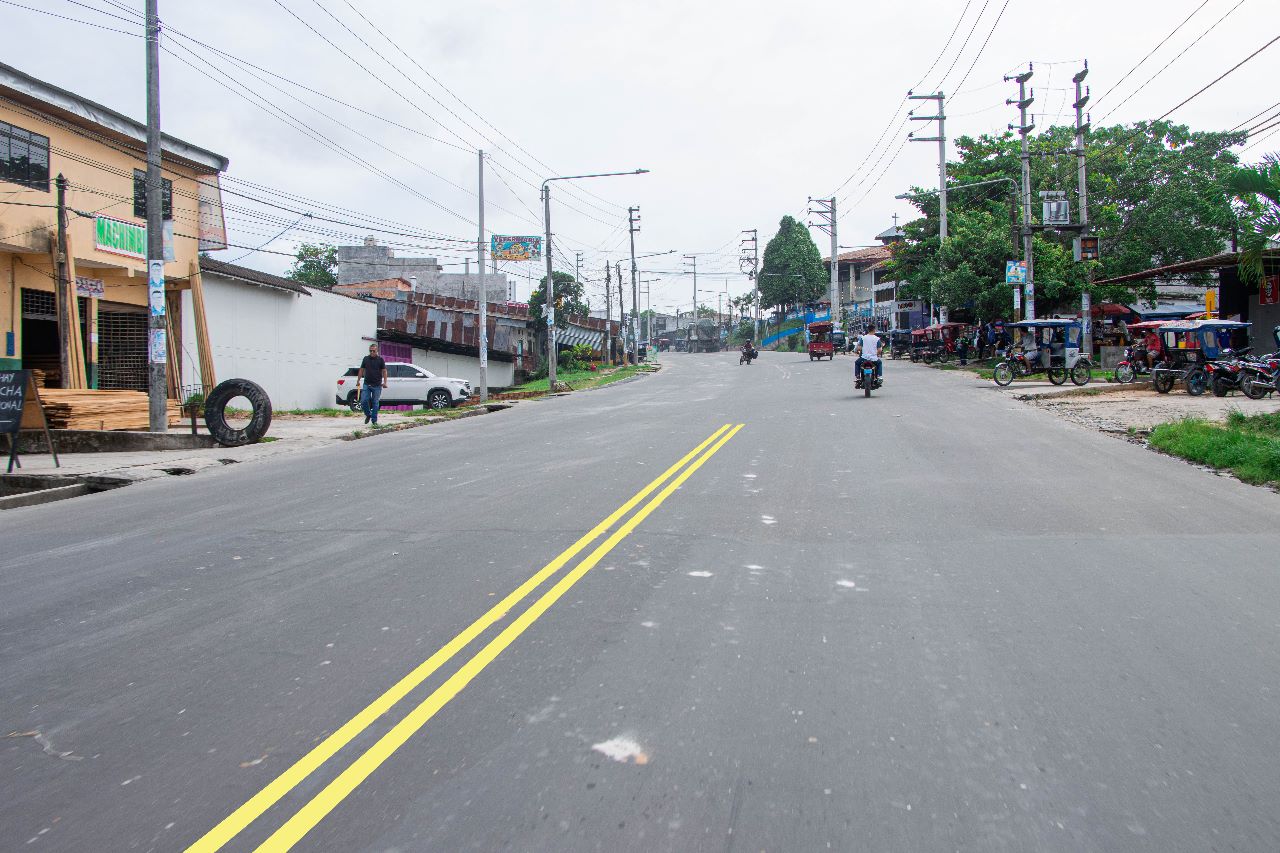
{"type": "Point", "coordinates": [157, 343]}
{"type": "Point", "coordinates": [484, 294]}
{"type": "Point", "coordinates": [549, 291]}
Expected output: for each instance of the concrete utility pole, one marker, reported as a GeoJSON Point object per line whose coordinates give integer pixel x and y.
{"type": "Point", "coordinates": [827, 211]}
{"type": "Point", "coordinates": [941, 139]}
{"type": "Point", "coordinates": [157, 335]}
{"type": "Point", "coordinates": [484, 292]}
{"type": "Point", "coordinates": [694, 260]}
{"type": "Point", "coordinates": [622, 315]}
{"type": "Point", "coordinates": [1024, 129]}
{"type": "Point", "coordinates": [608, 314]}
{"type": "Point", "coordinates": [749, 263]}
{"type": "Point", "coordinates": [633, 225]}
{"type": "Point", "coordinates": [1082, 127]}
{"type": "Point", "coordinates": [549, 299]}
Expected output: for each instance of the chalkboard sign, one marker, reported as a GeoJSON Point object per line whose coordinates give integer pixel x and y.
{"type": "Point", "coordinates": [13, 396]}
{"type": "Point", "coordinates": [20, 408]}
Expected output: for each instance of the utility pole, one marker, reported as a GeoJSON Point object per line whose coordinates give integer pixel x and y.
{"type": "Point", "coordinates": [484, 293]}
{"type": "Point", "coordinates": [608, 314]}
{"type": "Point", "coordinates": [157, 335]}
{"type": "Point", "coordinates": [63, 287]}
{"type": "Point", "coordinates": [622, 315]}
{"type": "Point", "coordinates": [1082, 127]}
{"type": "Point", "coordinates": [549, 300]}
{"type": "Point", "coordinates": [827, 210]}
{"type": "Point", "coordinates": [577, 266]}
{"type": "Point", "coordinates": [749, 263]}
{"type": "Point", "coordinates": [694, 260]}
{"type": "Point", "coordinates": [633, 225]}
{"type": "Point", "coordinates": [941, 139]}
{"type": "Point", "coordinates": [1024, 128]}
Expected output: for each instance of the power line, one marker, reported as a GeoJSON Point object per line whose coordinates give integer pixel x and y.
{"type": "Point", "coordinates": [1152, 53]}
{"type": "Point", "coordinates": [1219, 78]}
{"type": "Point", "coordinates": [1176, 57]}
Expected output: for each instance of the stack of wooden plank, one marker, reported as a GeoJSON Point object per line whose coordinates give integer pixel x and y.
{"type": "Point", "coordinates": [76, 408]}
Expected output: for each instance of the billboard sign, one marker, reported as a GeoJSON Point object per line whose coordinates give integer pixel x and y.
{"type": "Point", "coordinates": [1015, 272]}
{"type": "Point", "coordinates": [1269, 291]}
{"type": "Point", "coordinates": [120, 238]}
{"type": "Point", "coordinates": [505, 248]}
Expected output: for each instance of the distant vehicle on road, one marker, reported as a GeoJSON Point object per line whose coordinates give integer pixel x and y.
{"type": "Point", "coordinates": [408, 384]}
{"type": "Point", "coordinates": [704, 336]}
{"type": "Point", "coordinates": [820, 345]}
{"type": "Point", "coordinates": [840, 341]}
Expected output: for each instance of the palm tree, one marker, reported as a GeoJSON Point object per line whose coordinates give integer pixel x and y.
{"type": "Point", "coordinates": [1258, 187]}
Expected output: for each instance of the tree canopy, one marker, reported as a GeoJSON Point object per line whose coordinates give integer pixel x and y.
{"type": "Point", "coordinates": [1257, 189]}
{"type": "Point", "coordinates": [567, 288]}
{"type": "Point", "coordinates": [1158, 195]}
{"type": "Point", "coordinates": [315, 265]}
{"type": "Point", "coordinates": [792, 269]}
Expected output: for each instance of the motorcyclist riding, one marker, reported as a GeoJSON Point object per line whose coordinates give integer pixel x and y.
{"type": "Point", "coordinates": [868, 349]}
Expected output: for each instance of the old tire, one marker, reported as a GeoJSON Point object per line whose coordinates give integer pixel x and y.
{"type": "Point", "coordinates": [215, 412]}
{"type": "Point", "coordinates": [353, 401]}
{"type": "Point", "coordinates": [1081, 373]}
{"type": "Point", "coordinates": [1003, 374]}
{"type": "Point", "coordinates": [439, 399]}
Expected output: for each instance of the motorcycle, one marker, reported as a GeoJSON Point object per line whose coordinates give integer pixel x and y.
{"type": "Point", "coordinates": [1226, 374]}
{"type": "Point", "coordinates": [1260, 376]}
{"type": "Point", "coordinates": [747, 354]}
{"type": "Point", "coordinates": [1133, 365]}
{"type": "Point", "coordinates": [866, 378]}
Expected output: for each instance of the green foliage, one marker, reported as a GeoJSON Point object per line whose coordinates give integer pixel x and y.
{"type": "Point", "coordinates": [791, 270]}
{"type": "Point", "coordinates": [1157, 195]}
{"type": "Point", "coordinates": [315, 265]}
{"type": "Point", "coordinates": [1258, 191]}
{"type": "Point", "coordinates": [567, 288]}
{"type": "Point", "coordinates": [706, 311]}
{"type": "Point", "coordinates": [579, 357]}
{"type": "Point", "coordinates": [1249, 447]}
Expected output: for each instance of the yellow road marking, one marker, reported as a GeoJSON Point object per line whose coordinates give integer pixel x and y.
{"type": "Point", "coordinates": [234, 823]}
{"type": "Point", "coordinates": [336, 791]}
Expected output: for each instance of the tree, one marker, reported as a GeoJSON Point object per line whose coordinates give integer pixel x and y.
{"type": "Point", "coordinates": [792, 269]}
{"type": "Point", "coordinates": [566, 287]}
{"type": "Point", "coordinates": [1157, 195]}
{"type": "Point", "coordinates": [315, 265]}
{"type": "Point", "coordinates": [1258, 191]}
{"type": "Point", "coordinates": [706, 311]}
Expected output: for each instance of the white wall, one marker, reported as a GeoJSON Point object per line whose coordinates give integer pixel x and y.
{"type": "Point", "coordinates": [501, 373]}
{"type": "Point", "coordinates": [294, 346]}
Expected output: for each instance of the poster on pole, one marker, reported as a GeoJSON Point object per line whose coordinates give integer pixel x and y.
{"type": "Point", "coordinates": [1017, 302]}
{"type": "Point", "coordinates": [155, 287]}
{"type": "Point", "coordinates": [507, 248]}
{"type": "Point", "coordinates": [1015, 272]}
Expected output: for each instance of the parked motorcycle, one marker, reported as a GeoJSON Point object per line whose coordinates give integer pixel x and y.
{"type": "Point", "coordinates": [1224, 376]}
{"type": "Point", "coordinates": [1260, 376]}
{"type": "Point", "coordinates": [1133, 365]}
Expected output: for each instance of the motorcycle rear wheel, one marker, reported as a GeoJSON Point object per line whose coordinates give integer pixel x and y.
{"type": "Point", "coordinates": [1003, 374]}
{"type": "Point", "coordinates": [1251, 390]}
{"type": "Point", "coordinates": [1057, 375]}
{"type": "Point", "coordinates": [1162, 382]}
{"type": "Point", "coordinates": [1220, 387]}
{"type": "Point", "coordinates": [1081, 373]}
{"type": "Point", "coordinates": [1124, 373]}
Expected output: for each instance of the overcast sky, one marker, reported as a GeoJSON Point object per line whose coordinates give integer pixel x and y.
{"type": "Point", "coordinates": [741, 110]}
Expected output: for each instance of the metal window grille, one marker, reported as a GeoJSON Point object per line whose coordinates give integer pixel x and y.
{"type": "Point", "coordinates": [122, 350]}
{"type": "Point", "coordinates": [39, 305]}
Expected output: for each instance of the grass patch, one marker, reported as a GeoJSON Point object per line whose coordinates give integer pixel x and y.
{"type": "Point", "coordinates": [328, 412]}
{"type": "Point", "coordinates": [1246, 445]}
{"type": "Point", "coordinates": [580, 380]}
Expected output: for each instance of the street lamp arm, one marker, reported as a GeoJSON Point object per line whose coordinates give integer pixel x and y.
{"type": "Point", "coordinates": [597, 175]}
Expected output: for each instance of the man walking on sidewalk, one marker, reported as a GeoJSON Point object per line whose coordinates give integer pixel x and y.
{"type": "Point", "coordinates": [373, 370]}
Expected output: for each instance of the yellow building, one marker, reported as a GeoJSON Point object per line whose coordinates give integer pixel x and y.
{"type": "Point", "coordinates": [46, 132]}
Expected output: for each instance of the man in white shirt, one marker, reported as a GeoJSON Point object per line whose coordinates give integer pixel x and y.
{"type": "Point", "coordinates": [868, 348]}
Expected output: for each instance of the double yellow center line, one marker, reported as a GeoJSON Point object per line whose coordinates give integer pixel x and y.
{"type": "Point", "coordinates": [336, 791]}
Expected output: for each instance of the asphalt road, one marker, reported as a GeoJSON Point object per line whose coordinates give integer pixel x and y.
{"type": "Point", "coordinates": [932, 620]}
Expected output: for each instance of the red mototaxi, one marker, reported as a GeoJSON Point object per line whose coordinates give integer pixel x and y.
{"type": "Point", "coordinates": [820, 343]}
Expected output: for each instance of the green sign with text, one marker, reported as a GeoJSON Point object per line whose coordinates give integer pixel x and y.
{"type": "Point", "coordinates": [120, 238]}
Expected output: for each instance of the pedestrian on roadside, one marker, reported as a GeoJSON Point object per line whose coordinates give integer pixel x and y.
{"type": "Point", "coordinates": [373, 370]}
{"type": "Point", "coordinates": [962, 349]}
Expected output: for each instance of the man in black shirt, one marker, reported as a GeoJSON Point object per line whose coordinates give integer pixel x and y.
{"type": "Point", "coordinates": [373, 370]}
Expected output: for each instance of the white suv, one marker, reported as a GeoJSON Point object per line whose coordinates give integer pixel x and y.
{"type": "Point", "coordinates": [408, 384]}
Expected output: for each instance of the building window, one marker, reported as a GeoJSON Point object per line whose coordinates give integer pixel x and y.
{"type": "Point", "coordinates": [140, 195]}
{"type": "Point", "coordinates": [24, 157]}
